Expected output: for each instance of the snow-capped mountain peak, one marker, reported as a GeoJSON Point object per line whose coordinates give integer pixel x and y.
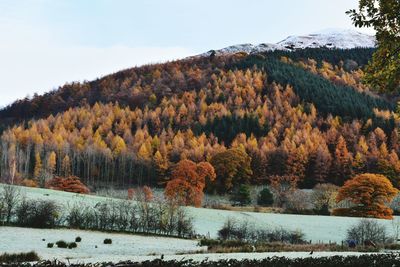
{"type": "Point", "coordinates": [344, 39]}
{"type": "Point", "coordinates": [329, 38]}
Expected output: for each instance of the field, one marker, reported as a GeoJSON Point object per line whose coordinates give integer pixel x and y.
{"type": "Point", "coordinates": [123, 247]}
{"type": "Point", "coordinates": [207, 222]}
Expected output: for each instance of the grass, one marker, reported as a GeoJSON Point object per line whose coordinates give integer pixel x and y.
{"type": "Point", "coordinates": [236, 246]}
{"type": "Point", "coordinates": [245, 208]}
{"type": "Point", "coordinates": [19, 257]}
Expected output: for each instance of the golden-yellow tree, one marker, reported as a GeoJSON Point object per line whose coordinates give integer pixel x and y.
{"type": "Point", "coordinates": [369, 194]}
{"type": "Point", "coordinates": [38, 167]}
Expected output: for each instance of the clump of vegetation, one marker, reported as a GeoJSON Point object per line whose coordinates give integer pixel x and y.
{"type": "Point", "coordinates": [9, 199]}
{"type": "Point", "coordinates": [368, 232]}
{"type": "Point", "coordinates": [61, 244]}
{"type": "Point", "coordinates": [19, 257]}
{"type": "Point", "coordinates": [232, 168]}
{"type": "Point", "coordinates": [37, 213]}
{"type": "Point", "coordinates": [323, 197]}
{"type": "Point", "coordinates": [128, 216]}
{"type": "Point", "coordinates": [72, 245]}
{"type": "Point", "coordinates": [68, 184]}
{"type": "Point", "coordinates": [241, 195]}
{"type": "Point", "coordinates": [265, 197]}
{"type": "Point", "coordinates": [50, 245]}
{"type": "Point", "coordinates": [107, 241]}
{"type": "Point", "coordinates": [78, 239]}
{"type": "Point", "coordinates": [244, 231]}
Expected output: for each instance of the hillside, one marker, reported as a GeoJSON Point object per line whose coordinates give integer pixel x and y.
{"type": "Point", "coordinates": [303, 113]}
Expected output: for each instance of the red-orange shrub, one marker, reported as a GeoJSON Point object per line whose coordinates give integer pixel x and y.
{"type": "Point", "coordinates": [68, 184]}
{"type": "Point", "coordinates": [148, 193]}
{"type": "Point", "coordinates": [29, 183]}
{"type": "Point", "coordinates": [131, 193]}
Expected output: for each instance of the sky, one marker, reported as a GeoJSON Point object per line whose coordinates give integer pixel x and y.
{"type": "Point", "coordinates": [46, 43]}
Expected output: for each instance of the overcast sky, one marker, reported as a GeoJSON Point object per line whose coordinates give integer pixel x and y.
{"type": "Point", "coordinates": [45, 43]}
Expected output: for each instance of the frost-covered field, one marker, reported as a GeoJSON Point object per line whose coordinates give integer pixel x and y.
{"type": "Point", "coordinates": [123, 247]}
{"type": "Point", "coordinates": [209, 221]}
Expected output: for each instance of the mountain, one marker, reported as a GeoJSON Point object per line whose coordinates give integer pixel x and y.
{"type": "Point", "coordinates": [330, 38]}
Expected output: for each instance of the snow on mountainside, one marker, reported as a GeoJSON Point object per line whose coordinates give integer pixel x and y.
{"type": "Point", "coordinates": [343, 39]}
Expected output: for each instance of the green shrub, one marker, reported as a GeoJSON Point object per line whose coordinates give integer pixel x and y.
{"type": "Point", "coordinates": [107, 241]}
{"type": "Point", "coordinates": [78, 239]}
{"type": "Point", "coordinates": [50, 245]}
{"type": "Point", "coordinates": [242, 195]}
{"type": "Point", "coordinates": [265, 198]}
{"type": "Point", "coordinates": [19, 257]}
{"type": "Point", "coordinates": [323, 210]}
{"type": "Point", "coordinates": [62, 244]}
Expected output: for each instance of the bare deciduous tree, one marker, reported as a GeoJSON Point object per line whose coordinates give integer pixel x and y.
{"type": "Point", "coordinates": [10, 197]}
{"type": "Point", "coordinates": [367, 229]}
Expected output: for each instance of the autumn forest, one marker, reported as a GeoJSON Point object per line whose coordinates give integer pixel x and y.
{"type": "Point", "coordinates": [305, 116]}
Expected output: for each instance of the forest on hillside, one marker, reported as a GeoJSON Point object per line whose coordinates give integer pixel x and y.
{"type": "Point", "coordinates": [305, 115]}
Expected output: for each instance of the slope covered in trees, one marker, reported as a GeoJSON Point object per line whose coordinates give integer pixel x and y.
{"type": "Point", "coordinates": [328, 97]}
{"type": "Point", "coordinates": [134, 126]}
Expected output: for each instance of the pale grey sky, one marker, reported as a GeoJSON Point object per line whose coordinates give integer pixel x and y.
{"type": "Point", "coordinates": [45, 43]}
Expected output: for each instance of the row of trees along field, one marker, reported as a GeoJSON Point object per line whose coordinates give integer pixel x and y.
{"type": "Point", "coordinates": [278, 132]}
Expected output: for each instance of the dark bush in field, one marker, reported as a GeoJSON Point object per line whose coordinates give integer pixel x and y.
{"type": "Point", "coordinates": [208, 242]}
{"type": "Point", "coordinates": [241, 195]}
{"type": "Point", "coordinates": [265, 197]}
{"type": "Point", "coordinates": [78, 239]}
{"type": "Point", "coordinates": [50, 245]}
{"type": "Point", "coordinates": [18, 257]}
{"type": "Point", "coordinates": [107, 241]}
{"type": "Point", "coordinates": [37, 213]}
{"type": "Point", "coordinates": [72, 245]}
{"type": "Point", "coordinates": [62, 244]}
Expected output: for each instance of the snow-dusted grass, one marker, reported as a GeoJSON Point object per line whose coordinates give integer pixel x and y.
{"type": "Point", "coordinates": [123, 247]}
{"type": "Point", "coordinates": [315, 228]}
{"type": "Point", "coordinates": [209, 221]}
